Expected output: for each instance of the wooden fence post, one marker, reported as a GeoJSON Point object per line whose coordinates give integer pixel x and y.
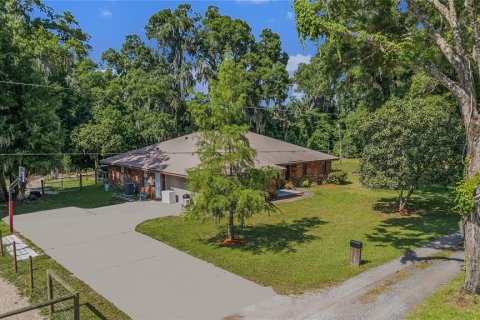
{"type": "Point", "coordinates": [31, 273]}
{"type": "Point", "coordinates": [51, 308]}
{"type": "Point", "coordinates": [42, 182]}
{"type": "Point", "coordinates": [81, 182]}
{"type": "Point", "coordinates": [15, 263]}
{"type": "Point", "coordinates": [1, 245]}
{"type": "Point", "coordinates": [76, 306]}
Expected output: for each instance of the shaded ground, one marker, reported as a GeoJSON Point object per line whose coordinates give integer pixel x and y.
{"type": "Point", "coordinates": [389, 291]}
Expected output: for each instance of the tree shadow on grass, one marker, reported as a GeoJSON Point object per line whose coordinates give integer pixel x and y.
{"type": "Point", "coordinates": [431, 214]}
{"type": "Point", "coordinates": [425, 202]}
{"type": "Point", "coordinates": [280, 237]}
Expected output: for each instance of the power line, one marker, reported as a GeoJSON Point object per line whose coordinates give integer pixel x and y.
{"type": "Point", "coordinates": [35, 85]}
{"type": "Point", "coordinates": [65, 88]}
{"type": "Point", "coordinates": [58, 154]}
{"type": "Point", "coordinates": [160, 152]}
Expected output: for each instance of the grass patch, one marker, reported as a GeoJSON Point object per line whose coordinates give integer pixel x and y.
{"type": "Point", "coordinates": [93, 305]}
{"type": "Point", "coordinates": [92, 196]}
{"type": "Point", "coordinates": [305, 245]}
{"type": "Point", "coordinates": [448, 303]}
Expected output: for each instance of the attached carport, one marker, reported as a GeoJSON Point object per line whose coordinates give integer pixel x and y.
{"type": "Point", "coordinates": [145, 278]}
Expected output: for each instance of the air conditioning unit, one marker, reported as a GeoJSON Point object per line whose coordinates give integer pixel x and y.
{"type": "Point", "coordinates": [168, 196]}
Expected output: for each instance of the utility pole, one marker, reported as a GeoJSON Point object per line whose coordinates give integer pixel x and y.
{"type": "Point", "coordinates": [11, 188]}
{"type": "Point", "coordinates": [96, 168]}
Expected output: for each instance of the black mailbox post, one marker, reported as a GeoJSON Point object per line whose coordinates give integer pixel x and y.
{"type": "Point", "coordinates": [355, 252]}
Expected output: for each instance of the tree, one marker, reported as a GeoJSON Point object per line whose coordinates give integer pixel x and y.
{"type": "Point", "coordinates": [109, 132]}
{"type": "Point", "coordinates": [411, 142]}
{"type": "Point", "coordinates": [443, 37]}
{"type": "Point", "coordinates": [226, 182]}
{"type": "Point", "coordinates": [220, 35]}
{"type": "Point", "coordinates": [176, 35]}
{"type": "Point", "coordinates": [43, 53]}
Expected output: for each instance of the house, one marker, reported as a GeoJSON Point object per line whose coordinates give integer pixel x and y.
{"type": "Point", "coordinates": [164, 166]}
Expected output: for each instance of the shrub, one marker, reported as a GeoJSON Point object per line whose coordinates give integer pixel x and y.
{"type": "Point", "coordinates": [337, 177]}
{"type": "Point", "coordinates": [289, 185]}
{"type": "Point", "coordinates": [305, 183]}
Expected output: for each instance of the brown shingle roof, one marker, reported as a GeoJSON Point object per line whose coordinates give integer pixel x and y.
{"type": "Point", "coordinates": [177, 155]}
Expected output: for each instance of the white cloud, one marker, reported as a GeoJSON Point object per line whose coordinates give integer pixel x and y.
{"type": "Point", "coordinates": [294, 61]}
{"type": "Point", "coordinates": [105, 13]}
{"type": "Point", "coordinates": [290, 15]}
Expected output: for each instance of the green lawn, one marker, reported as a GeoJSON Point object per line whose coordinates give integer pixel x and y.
{"type": "Point", "coordinates": [93, 306]}
{"type": "Point", "coordinates": [91, 196]}
{"type": "Point", "coordinates": [305, 245]}
{"type": "Point", "coordinates": [448, 303]}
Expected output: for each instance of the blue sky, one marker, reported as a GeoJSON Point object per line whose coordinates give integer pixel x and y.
{"type": "Point", "coordinates": [108, 22]}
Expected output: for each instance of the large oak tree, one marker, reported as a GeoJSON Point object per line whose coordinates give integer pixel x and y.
{"type": "Point", "coordinates": [441, 36]}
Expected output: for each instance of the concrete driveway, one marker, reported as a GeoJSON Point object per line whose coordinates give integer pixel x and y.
{"type": "Point", "coordinates": [145, 278]}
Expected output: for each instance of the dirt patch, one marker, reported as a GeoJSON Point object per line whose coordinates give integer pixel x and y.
{"type": "Point", "coordinates": [11, 300]}
{"type": "Point", "coordinates": [463, 301]}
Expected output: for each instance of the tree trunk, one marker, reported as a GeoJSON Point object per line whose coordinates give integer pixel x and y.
{"type": "Point", "coordinates": [471, 223]}
{"type": "Point", "coordinates": [231, 227]}
{"type": "Point", "coordinates": [403, 200]}
{"type": "Point", "coordinates": [3, 183]}
{"type": "Point", "coordinates": [401, 204]}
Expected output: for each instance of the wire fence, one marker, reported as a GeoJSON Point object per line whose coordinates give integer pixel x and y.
{"type": "Point", "coordinates": [61, 183]}
{"type": "Point", "coordinates": [47, 292]}
{"type": "Point", "coordinates": [69, 183]}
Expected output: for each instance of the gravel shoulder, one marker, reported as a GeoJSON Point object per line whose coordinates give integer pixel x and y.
{"type": "Point", "coordinates": [389, 291]}
{"type": "Point", "coordinates": [11, 300]}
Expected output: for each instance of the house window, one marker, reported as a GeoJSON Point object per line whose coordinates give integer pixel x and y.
{"type": "Point", "coordinates": [145, 178]}
{"type": "Point", "coordinates": [122, 174]}
{"type": "Point", "coordinates": [325, 166]}
{"type": "Point", "coordinates": [304, 169]}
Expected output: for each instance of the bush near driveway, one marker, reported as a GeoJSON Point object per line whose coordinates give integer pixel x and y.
{"type": "Point", "coordinates": [305, 245]}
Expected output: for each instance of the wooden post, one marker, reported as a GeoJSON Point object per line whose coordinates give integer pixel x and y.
{"type": "Point", "coordinates": [15, 263]}
{"type": "Point", "coordinates": [51, 308]}
{"type": "Point", "coordinates": [96, 168]}
{"type": "Point", "coordinates": [76, 306]}
{"type": "Point", "coordinates": [1, 245]}
{"type": "Point", "coordinates": [30, 260]}
{"type": "Point", "coordinates": [42, 182]}
{"type": "Point", "coordinates": [81, 182]}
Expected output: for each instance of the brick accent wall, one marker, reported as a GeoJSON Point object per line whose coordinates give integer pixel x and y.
{"type": "Point", "coordinates": [130, 175]}
{"type": "Point", "coordinates": [314, 171]}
